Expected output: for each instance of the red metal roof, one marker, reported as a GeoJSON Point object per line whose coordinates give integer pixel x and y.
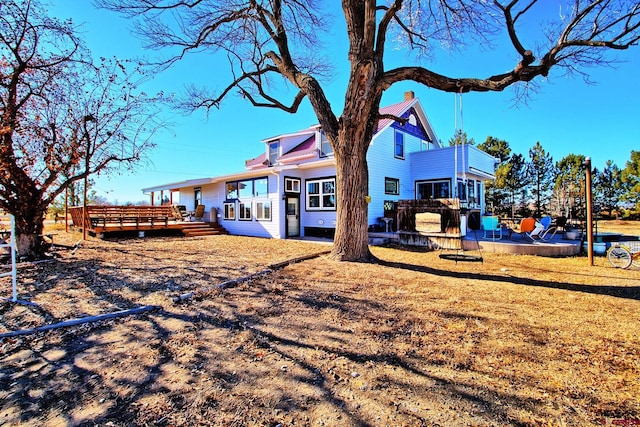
{"type": "Point", "coordinates": [258, 162]}
{"type": "Point", "coordinates": [306, 147]}
{"type": "Point", "coordinates": [395, 110]}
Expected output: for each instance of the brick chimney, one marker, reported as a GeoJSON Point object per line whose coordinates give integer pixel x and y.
{"type": "Point", "coordinates": [408, 95]}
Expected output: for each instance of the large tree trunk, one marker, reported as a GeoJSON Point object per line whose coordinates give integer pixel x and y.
{"type": "Point", "coordinates": [351, 242]}
{"type": "Point", "coordinates": [29, 227]}
{"type": "Point", "coordinates": [357, 125]}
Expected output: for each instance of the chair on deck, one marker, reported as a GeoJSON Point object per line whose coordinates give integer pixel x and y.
{"type": "Point", "coordinates": [178, 214]}
{"type": "Point", "coordinates": [199, 213]}
{"type": "Point", "coordinates": [543, 230]}
{"type": "Point", "coordinates": [492, 225]}
{"type": "Point", "coordinates": [527, 225]}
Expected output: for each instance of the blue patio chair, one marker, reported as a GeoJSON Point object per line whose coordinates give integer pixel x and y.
{"type": "Point", "coordinates": [491, 224]}
{"type": "Point", "coordinates": [543, 230]}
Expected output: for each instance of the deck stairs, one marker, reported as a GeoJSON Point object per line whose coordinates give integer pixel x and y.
{"type": "Point", "coordinates": [202, 229]}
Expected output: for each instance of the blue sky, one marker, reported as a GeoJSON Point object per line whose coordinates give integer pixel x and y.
{"type": "Point", "coordinates": [566, 115]}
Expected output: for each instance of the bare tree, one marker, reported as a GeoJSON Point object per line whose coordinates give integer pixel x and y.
{"type": "Point", "coordinates": [62, 117]}
{"type": "Point", "coordinates": [265, 39]}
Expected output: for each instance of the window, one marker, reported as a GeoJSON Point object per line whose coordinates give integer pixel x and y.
{"type": "Point", "coordinates": [471, 191]}
{"type": "Point", "coordinates": [273, 153]}
{"type": "Point", "coordinates": [467, 192]}
{"type": "Point", "coordinates": [321, 194]}
{"type": "Point", "coordinates": [291, 185]}
{"type": "Point", "coordinates": [232, 190]}
{"type": "Point", "coordinates": [426, 145]}
{"type": "Point", "coordinates": [462, 191]}
{"type": "Point", "coordinates": [391, 186]}
{"type": "Point", "coordinates": [263, 211]}
{"type": "Point", "coordinates": [256, 187]}
{"type": "Point", "coordinates": [244, 212]}
{"type": "Point", "coordinates": [325, 146]}
{"type": "Point", "coordinates": [260, 187]}
{"type": "Point", "coordinates": [433, 189]}
{"type": "Point", "coordinates": [197, 196]}
{"type": "Point", "coordinates": [230, 211]}
{"type": "Point", "coordinates": [399, 145]}
{"type": "Point", "coordinates": [245, 188]}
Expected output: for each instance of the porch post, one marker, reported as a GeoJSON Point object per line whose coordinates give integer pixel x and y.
{"type": "Point", "coordinates": [587, 163]}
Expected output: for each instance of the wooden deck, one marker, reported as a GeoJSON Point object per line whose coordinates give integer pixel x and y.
{"type": "Point", "coordinates": [101, 220]}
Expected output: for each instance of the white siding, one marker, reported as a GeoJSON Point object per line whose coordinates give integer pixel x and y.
{"type": "Point", "coordinates": [320, 219]}
{"type": "Point", "coordinates": [254, 227]}
{"type": "Point", "coordinates": [383, 163]}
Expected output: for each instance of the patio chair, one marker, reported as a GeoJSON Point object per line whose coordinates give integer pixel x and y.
{"type": "Point", "coordinates": [179, 212]}
{"type": "Point", "coordinates": [491, 224]}
{"type": "Point", "coordinates": [544, 230]}
{"type": "Point", "coordinates": [199, 213]}
{"type": "Point", "coordinates": [527, 225]}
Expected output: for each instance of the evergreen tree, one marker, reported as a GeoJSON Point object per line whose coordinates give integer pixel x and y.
{"type": "Point", "coordinates": [495, 191]}
{"type": "Point", "coordinates": [631, 180]}
{"type": "Point", "coordinates": [541, 171]}
{"type": "Point", "coordinates": [608, 187]}
{"type": "Point", "coordinates": [460, 138]}
{"type": "Point", "coordinates": [516, 182]}
{"type": "Point", "coordinates": [569, 189]}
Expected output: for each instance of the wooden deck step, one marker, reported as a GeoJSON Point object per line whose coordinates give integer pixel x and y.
{"type": "Point", "coordinates": [203, 229]}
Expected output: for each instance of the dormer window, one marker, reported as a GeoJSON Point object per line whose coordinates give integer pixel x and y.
{"type": "Point", "coordinates": [325, 146]}
{"type": "Point", "coordinates": [274, 149]}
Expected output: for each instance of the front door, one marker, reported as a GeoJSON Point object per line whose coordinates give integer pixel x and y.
{"type": "Point", "coordinates": [293, 216]}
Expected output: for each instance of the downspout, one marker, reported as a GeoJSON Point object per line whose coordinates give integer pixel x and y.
{"type": "Point", "coordinates": [281, 202]}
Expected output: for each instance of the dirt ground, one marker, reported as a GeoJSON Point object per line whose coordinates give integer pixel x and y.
{"type": "Point", "coordinates": [413, 340]}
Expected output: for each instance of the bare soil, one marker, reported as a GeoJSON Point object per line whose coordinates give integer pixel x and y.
{"type": "Point", "coordinates": [413, 340]}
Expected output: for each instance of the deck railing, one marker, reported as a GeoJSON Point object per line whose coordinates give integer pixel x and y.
{"type": "Point", "coordinates": [96, 217]}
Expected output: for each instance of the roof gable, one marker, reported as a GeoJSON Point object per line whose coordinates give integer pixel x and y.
{"type": "Point", "coordinates": [303, 144]}
{"type": "Point", "coordinates": [416, 129]}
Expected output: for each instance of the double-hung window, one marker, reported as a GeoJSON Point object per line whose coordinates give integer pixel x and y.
{"type": "Point", "coordinates": [321, 194]}
{"type": "Point", "coordinates": [263, 210]}
{"type": "Point", "coordinates": [398, 145]}
{"type": "Point", "coordinates": [244, 211]}
{"type": "Point", "coordinates": [230, 211]}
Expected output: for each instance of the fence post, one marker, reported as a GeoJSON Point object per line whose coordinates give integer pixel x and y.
{"type": "Point", "coordinates": [12, 247]}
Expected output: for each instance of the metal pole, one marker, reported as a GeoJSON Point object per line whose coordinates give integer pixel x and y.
{"type": "Point", "coordinates": [14, 273]}
{"type": "Point", "coordinates": [84, 210]}
{"type": "Point", "coordinates": [66, 210]}
{"type": "Point", "coordinates": [587, 163]}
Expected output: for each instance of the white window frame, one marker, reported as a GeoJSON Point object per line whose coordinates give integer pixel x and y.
{"type": "Point", "coordinates": [321, 195]}
{"type": "Point", "coordinates": [229, 212]}
{"type": "Point", "coordinates": [260, 210]}
{"type": "Point", "coordinates": [242, 211]}
{"type": "Point", "coordinates": [274, 152]}
{"type": "Point", "coordinates": [292, 185]}
{"type": "Point", "coordinates": [326, 150]}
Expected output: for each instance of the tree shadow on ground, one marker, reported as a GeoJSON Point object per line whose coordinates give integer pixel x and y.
{"type": "Point", "coordinates": [628, 292]}
{"type": "Point", "coordinates": [266, 352]}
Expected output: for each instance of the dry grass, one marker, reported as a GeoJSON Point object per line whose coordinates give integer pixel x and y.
{"type": "Point", "coordinates": [412, 340]}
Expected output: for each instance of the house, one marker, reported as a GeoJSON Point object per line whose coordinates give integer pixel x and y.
{"type": "Point", "coordinates": [289, 189]}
